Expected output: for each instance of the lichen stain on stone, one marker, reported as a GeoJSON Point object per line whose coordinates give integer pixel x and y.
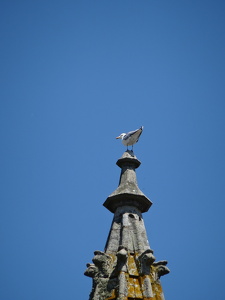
{"type": "Point", "coordinates": [134, 288]}
{"type": "Point", "coordinates": [132, 267]}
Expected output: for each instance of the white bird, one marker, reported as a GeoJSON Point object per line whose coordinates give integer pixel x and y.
{"type": "Point", "coordinates": [130, 138]}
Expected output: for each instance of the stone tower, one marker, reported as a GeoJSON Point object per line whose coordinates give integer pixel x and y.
{"type": "Point", "coordinates": [127, 269]}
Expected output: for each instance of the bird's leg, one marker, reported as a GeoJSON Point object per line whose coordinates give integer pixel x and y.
{"type": "Point", "coordinates": [132, 148]}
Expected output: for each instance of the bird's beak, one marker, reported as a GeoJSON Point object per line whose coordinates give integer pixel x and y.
{"type": "Point", "coordinates": [118, 137]}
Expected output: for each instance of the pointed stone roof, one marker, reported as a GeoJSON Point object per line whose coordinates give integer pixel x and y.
{"type": "Point", "coordinates": [128, 192]}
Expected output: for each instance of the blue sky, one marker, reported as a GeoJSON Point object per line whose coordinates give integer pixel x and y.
{"type": "Point", "coordinates": [74, 75]}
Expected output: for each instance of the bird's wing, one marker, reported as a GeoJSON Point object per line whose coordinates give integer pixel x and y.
{"type": "Point", "coordinates": [139, 136]}
{"type": "Point", "coordinates": [140, 132]}
{"type": "Point", "coordinates": [129, 134]}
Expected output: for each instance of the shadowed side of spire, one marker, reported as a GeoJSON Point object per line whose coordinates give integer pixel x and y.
{"type": "Point", "coordinates": [128, 192]}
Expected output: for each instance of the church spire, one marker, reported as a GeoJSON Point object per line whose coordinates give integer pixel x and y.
{"type": "Point", "coordinates": [127, 269]}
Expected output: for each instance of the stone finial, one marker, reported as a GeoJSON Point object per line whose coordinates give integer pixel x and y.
{"type": "Point", "coordinates": [128, 192]}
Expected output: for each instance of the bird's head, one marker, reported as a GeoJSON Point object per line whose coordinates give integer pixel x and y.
{"type": "Point", "coordinates": [121, 136]}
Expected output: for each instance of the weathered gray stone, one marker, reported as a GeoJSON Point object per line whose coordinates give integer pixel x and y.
{"type": "Point", "coordinates": [128, 192]}
{"type": "Point", "coordinates": [123, 289]}
{"type": "Point", "coordinates": [160, 269]}
{"type": "Point", "coordinates": [147, 288]}
{"type": "Point", "coordinates": [127, 230]}
{"type": "Point", "coordinates": [127, 268]}
{"type": "Point", "coordinates": [146, 259]}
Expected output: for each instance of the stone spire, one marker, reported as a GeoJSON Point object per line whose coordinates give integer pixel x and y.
{"type": "Point", "coordinates": [127, 269]}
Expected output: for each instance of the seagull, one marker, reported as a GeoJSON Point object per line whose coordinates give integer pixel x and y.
{"type": "Point", "coordinates": [130, 138]}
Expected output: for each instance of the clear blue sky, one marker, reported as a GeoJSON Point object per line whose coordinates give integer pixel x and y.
{"type": "Point", "coordinates": [74, 75]}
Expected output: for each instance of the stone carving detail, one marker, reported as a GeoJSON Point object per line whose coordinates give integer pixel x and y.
{"type": "Point", "coordinates": [100, 271]}
{"type": "Point", "coordinates": [102, 261]}
{"type": "Point", "coordinates": [122, 259]}
{"type": "Point", "coordinates": [159, 269]}
{"type": "Point", "coordinates": [145, 260]}
{"type": "Point", "coordinates": [110, 275]}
